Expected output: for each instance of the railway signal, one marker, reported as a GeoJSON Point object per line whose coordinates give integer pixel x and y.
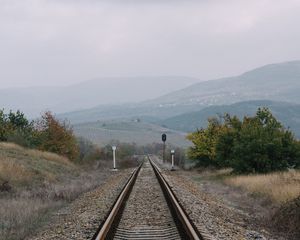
{"type": "Point", "coordinates": [164, 139]}
{"type": "Point", "coordinates": [172, 154]}
{"type": "Point", "coordinates": [114, 156]}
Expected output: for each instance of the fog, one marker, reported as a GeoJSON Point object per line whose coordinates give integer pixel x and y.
{"type": "Point", "coordinates": [62, 42]}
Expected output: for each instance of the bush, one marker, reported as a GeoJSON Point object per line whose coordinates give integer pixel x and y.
{"type": "Point", "coordinates": [47, 134]}
{"type": "Point", "coordinates": [256, 144]}
{"type": "Point", "coordinates": [87, 151]}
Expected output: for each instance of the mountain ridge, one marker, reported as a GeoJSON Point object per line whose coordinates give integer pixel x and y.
{"type": "Point", "coordinates": [275, 82]}
{"type": "Point", "coordinates": [90, 93]}
{"type": "Point", "coordinates": [287, 113]}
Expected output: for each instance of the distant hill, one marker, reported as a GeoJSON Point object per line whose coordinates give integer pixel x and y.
{"type": "Point", "coordinates": [287, 113]}
{"type": "Point", "coordinates": [88, 94]}
{"type": "Point", "coordinates": [278, 82]}
{"type": "Point", "coordinates": [102, 132]}
{"type": "Point", "coordinates": [275, 82]}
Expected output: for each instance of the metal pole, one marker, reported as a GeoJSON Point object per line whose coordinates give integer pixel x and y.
{"type": "Point", "coordinates": [172, 161]}
{"type": "Point", "coordinates": [114, 156]}
{"type": "Point", "coordinates": [164, 139]}
{"type": "Point", "coordinates": [164, 150]}
{"type": "Point", "coordinates": [172, 154]}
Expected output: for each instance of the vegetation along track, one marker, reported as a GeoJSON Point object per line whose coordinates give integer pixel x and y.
{"type": "Point", "coordinates": [147, 209]}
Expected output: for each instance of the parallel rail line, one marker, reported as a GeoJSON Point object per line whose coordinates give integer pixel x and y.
{"type": "Point", "coordinates": [184, 225]}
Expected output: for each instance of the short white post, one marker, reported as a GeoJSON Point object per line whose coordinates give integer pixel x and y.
{"type": "Point", "coordinates": [114, 155]}
{"type": "Point", "coordinates": [172, 154]}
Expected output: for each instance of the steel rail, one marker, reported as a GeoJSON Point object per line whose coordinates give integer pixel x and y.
{"type": "Point", "coordinates": [104, 229]}
{"type": "Point", "coordinates": [186, 227]}
{"type": "Point", "coordinates": [190, 229]}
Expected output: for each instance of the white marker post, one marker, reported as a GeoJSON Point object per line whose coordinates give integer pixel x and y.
{"type": "Point", "coordinates": [114, 156]}
{"type": "Point", "coordinates": [172, 154]}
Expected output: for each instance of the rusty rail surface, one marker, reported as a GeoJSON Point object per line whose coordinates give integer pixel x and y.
{"type": "Point", "coordinates": [188, 226]}
{"type": "Point", "coordinates": [105, 228]}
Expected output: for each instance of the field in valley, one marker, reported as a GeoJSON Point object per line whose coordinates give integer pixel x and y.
{"type": "Point", "coordinates": [141, 133]}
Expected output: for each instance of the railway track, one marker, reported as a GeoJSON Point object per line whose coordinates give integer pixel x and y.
{"type": "Point", "coordinates": [147, 209]}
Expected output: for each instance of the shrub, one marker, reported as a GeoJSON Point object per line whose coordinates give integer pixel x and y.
{"type": "Point", "coordinates": [256, 144]}
{"type": "Point", "coordinates": [87, 151]}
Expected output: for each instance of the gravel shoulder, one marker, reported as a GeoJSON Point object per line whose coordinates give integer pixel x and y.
{"type": "Point", "coordinates": [220, 211]}
{"type": "Point", "coordinates": [81, 218]}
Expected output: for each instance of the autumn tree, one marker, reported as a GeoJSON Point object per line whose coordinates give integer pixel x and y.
{"type": "Point", "coordinates": [56, 136]}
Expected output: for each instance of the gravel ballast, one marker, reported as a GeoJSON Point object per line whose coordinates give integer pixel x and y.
{"type": "Point", "coordinates": [216, 218]}
{"type": "Point", "coordinates": [211, 215]}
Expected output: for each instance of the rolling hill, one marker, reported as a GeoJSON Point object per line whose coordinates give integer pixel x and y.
{"type": "Point", "coordinates": [88, 94]}
{"type": "Point", "coordinates": [287, 113]}
{"type": "Point", "coordinates": [276, 82]}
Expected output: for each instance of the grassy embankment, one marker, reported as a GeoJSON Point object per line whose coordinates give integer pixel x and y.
{"type": "Point", "coordinates": [283, 190]}
{"type": "Point", "coordinates": [279, 187]}
{"type": "Point", "coordinates": [32, 183]}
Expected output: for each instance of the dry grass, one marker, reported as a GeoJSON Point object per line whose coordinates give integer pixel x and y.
{"type": "Point", "coordinates": [13, 172]}
{"type": "Point", "coordinates": [280, 187]}
{"type": "Point", "coordinates": [20, 216]}
{"type": "Point", "coordinates": [208, 173]}
{"type": "Point", "coordinates": [39, 181]}
{"type": "Point", "coordinates": [26, 210]}
{"type": "Point", "coordinates": [26, 167]}
{"type": "Point", "coordinates": [34, 153]}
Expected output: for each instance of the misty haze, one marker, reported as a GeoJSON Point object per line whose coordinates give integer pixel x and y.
{"type": "Point", "coordinates": [149, 119]}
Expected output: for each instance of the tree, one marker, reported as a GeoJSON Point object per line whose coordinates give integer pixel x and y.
{"type": "Point", "coordinates": [15, 127]}
{"type": "Point", "coordinates": [87, 151]}
{"type": "Point", "coordinates": [204, 140]}
{"type": "Point", "coordinates": [56, 136]}
{"type": "Point", "coordinates": [256, 144]}
{"type": "Point", "coordinates": [263, 145]}
{"type": "Point", "coordinates": [3, 126]}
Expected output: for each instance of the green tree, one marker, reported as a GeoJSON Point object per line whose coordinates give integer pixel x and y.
{"type": "Point", "coordinates": [204, 141]}
{"type": "Point", "coordinates": [263, 145]}
{"type": "Point", "coordinates": [256, 144]}
{"type": "Point", "coordinates": [3, 126]}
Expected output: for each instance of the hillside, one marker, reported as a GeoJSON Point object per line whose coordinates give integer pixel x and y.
{"type": "Point", "coordinates": [33, 184]}
{"type": "Point", "coordinates": [25, 167]}
{"type": "Point", "coordinates": [287, 113]}
{"type": "Point", "coordinates": [141, 133]}
{"type": "Point", "coordinates": [279, 82]}
{"type": "Point", "coordinates": [276, 82]}
{"type": "Point", "coordinates": [88, 94]}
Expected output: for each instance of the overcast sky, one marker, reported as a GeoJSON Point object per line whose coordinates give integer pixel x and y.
{"type": "Point", "coordinates": [60, 42]}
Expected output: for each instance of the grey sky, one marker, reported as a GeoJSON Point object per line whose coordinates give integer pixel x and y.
{"type": "Point", "coordinates": [59, 42]}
